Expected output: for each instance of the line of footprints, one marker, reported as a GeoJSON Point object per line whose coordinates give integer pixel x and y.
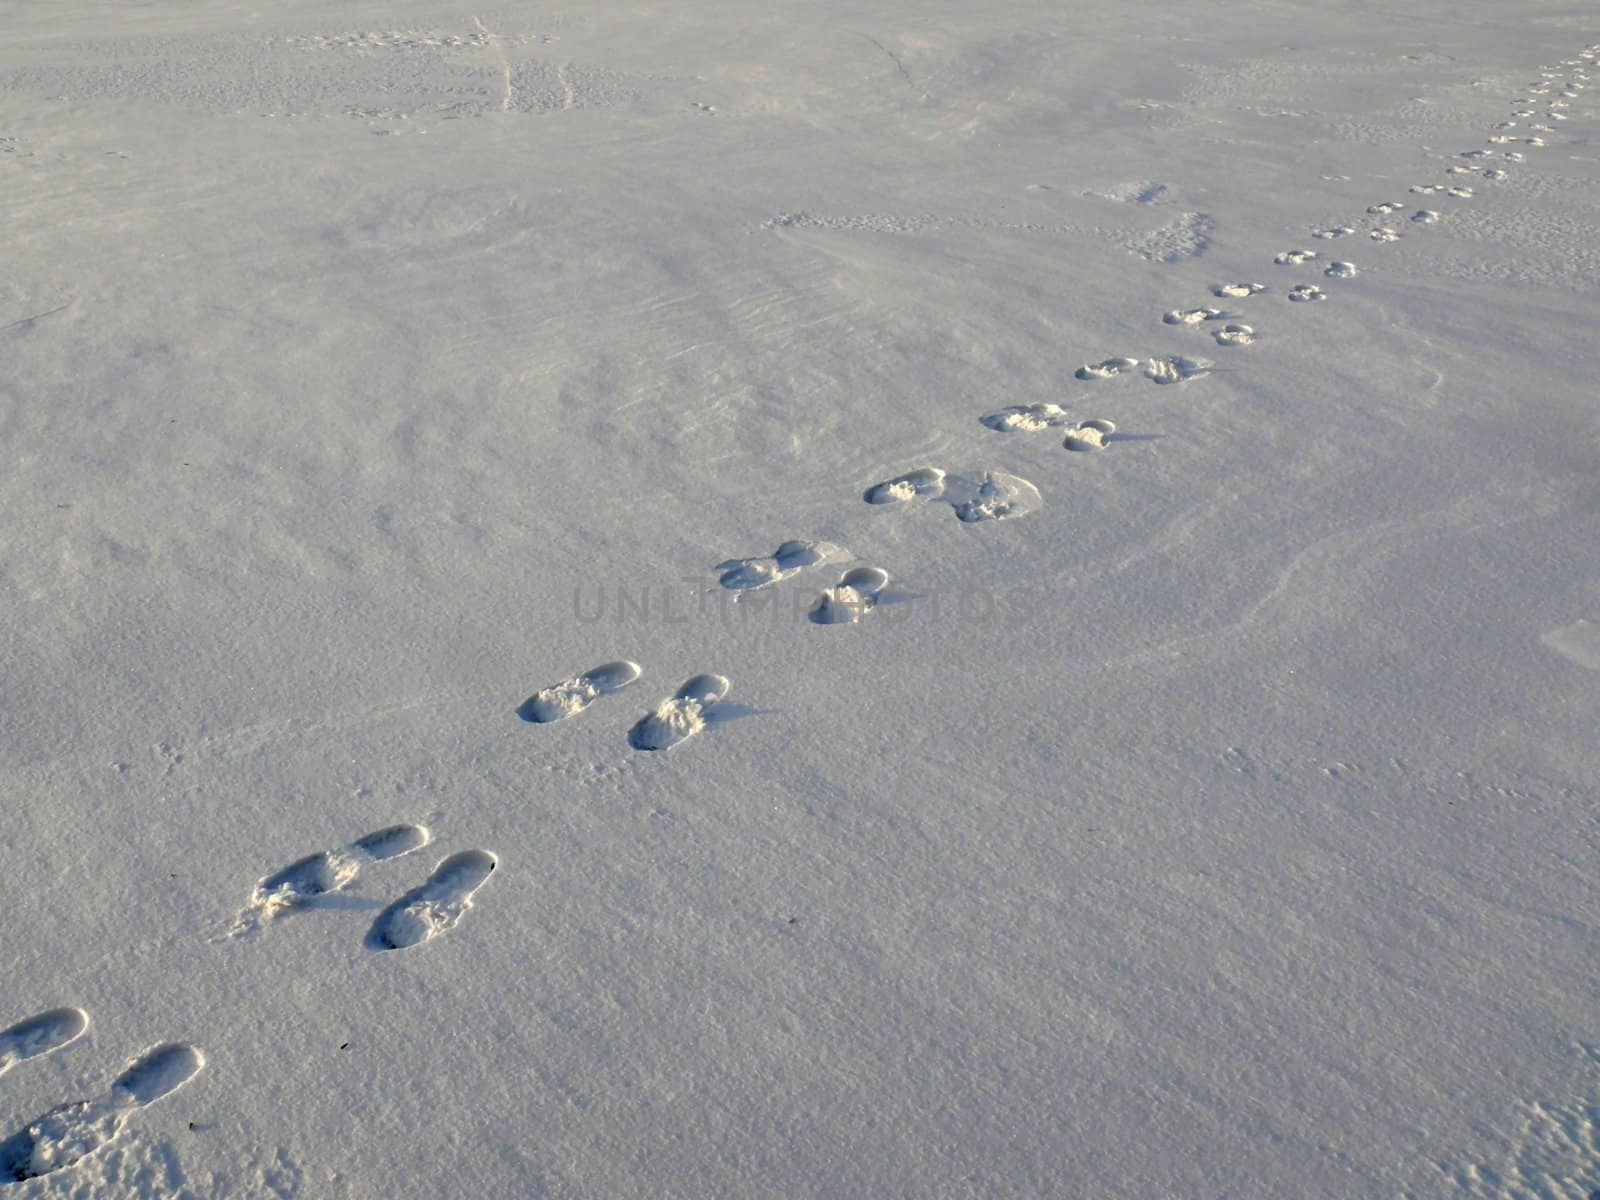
{"type": "Point", "coordinates": [991, 495]}
{"type": "Point", "coordinates": [70, 1132]}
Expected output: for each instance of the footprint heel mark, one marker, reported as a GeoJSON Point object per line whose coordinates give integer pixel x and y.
{"type": "Point", "coordinates": [925, 482]}
{"type": "Point", "coordinates": [391, 842]}
{"type": "Point", "coordinates": [437, 906]}
{"type": "Point", "coordinates": [41, 1034]}
{"type": "Point", "coordinates": [746, 574]}
{"type": "Point", "coordinates": [1089, 435]}
{"type": "Point", "coordinates": [1190, 316]}
{"type": "Point", "coordinates": [69, 1133]}
{"type": "Point", "coordinates": [853, 597]}
{"type": "Point", "coordinates": [992, 496]}
{"type": "Point", "coordinates": [321, 874]}
{"type": "Point", "coordinates": [1107, 368]}
{"type": "Point", "coordinates": [679, 718]}
{"type": "Point", "coordinates": [1174, 369]}
{"type": "Point", "coordinates": [1025, 418]}
{"type": "Point", "coordinates": [571, 696]}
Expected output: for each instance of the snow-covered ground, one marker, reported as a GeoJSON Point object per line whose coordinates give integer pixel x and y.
{"type": "Point", "coordinates": [458, 738]}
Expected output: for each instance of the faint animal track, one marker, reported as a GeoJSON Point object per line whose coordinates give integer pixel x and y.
{"type": "Point", "coordinates": [1191, 316]}
{"type": "Point", "coordinates": [1235, 335]}
{"type": "Point", "coordinates": [435, 907]}
{"type": "Point", "coordinates": [71, 1132]}
{"type": "Point", "coordinates": [1189, 236]}
{"type": "Point", "coordinates": [926, 481]}
{"type": "Point", "coordinates": [1174, 369]}
{"type": "Point", "coordinates": [679, 718]}
{"type": "Point", "coordinates": [1238, 291]}
{"type": "Point", "coordinates": [1106, 368]}
{"type": "Point", "coordinates": [1384, 235]}
{"type": "Point", "coordinates": [1341, 270]}
{"type": "Point", "coordinates": [855, 595]}
{"type": "Point", "coordinates": [1089, 435]}
{"type": "Point", "coordinates": [1425, 216]}
{"type": "Point", "coordinates": [321, 874]}
{"type": "Point", "coordinates": [1337, 231]}
{"type": "Point", "coordinates": [1307, 293]}
{"type": "Point", "coordinates": [572, 696]}
{"type": "Point", "coordinates": [745, 574]}
{"type": "Point", "coordinates": [1294, 258]}
{"type": "Point", "coordinates": [41, 1034]}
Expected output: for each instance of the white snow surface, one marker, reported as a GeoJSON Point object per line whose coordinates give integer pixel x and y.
{"type": "Point", "coordinates": [1222, 824]}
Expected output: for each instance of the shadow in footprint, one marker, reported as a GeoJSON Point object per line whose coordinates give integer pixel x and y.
{"type": "Point", "coordinates": [689, 710]}
{"type": "Point", "coordinates": [572, 696]}
{"type": "Point", "coordinates": [40, 1035]}
{"type": "Point", "coordinates": [437, 906]}
{"type": "Point", "coordinates": [70, 1132]}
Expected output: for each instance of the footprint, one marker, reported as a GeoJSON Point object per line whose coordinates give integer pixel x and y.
{"type": "Point", "coordinates": [40, 1035]}
{"type": "Point", "coordinates": [1337, 231]}
{"type": "Point", "coordinates": [1496, 173]}
{"type": "Point", "coordinates": [925, 481]}
{"type": "Point", "coordinates": [1235, 335]}
{"type": "Point", "coordinates": [680, 718]}
{"type": "Point", "coordinates": [992, 496]}
{"type": "Point", "coordinates": [1384, 209]}
{"type": "Point", "coordinates": [1091, 435]}
{"type": "Point", "coordinates": [1425, 216]}
{"type": "Point", "coordinates": [1474, 154]}
{"type": "Point", "coordinates": [1461, 193]}
{"type": "Point", "coordinates": [1384, 235]}
{"type": "Point", "coordinates": [572, 696]}
{"type": "Point", "coordinates": [1191, 316]}
{"type": "Point", "coordinates": [1238, 291]}
{"type": "Point", "coordinates": [1026, 418]}
{"type": "Point", "coordinates": [855, 595]}
{"type": "Point", "coordinates": [1425, 189]}
{"type": "Point", "coordinates": [434, 908]}
{"type": "Point", "coordinates": [745, 574]}
{"type": "Point", "coordinates": [71, 1132]}
{"type": "Point", "coordinates": [324, 873]}
{"type": "Point", "coordinates": [1294, 258]}
{"type": "Point", "coordinates": [1307, 293]}
{"type": "Point", "coordinates": [1514, 156]}
{"type": "Point", "coordinates": [1107, 368]}
{"type": "Point", "coordinates": [1341, 270]}
{"type": "Point", "coordinates": [1174, 369]}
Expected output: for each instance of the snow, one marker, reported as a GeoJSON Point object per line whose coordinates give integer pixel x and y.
{"type": "Point", "coordinates": [1218, 823]}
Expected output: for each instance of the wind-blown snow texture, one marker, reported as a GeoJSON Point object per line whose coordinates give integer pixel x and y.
{"type": "Point", "coordinates": [1207, 816]}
